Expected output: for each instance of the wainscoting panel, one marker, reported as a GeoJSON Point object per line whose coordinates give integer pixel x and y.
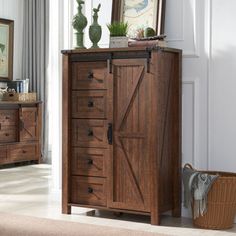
{"type": "Point", "coordinates": [181, 26]}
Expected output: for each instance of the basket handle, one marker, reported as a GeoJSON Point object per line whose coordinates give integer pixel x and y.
{"type": "Point", "coordinates": [187, 165]}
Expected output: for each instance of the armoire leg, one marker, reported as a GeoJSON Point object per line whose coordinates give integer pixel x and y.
{"type": "Point", "coordinates": [176, 212]}
{"type": "Point", "coordinates": [66, 209]}
{"type": "Point", "coordinates": [155, 218]}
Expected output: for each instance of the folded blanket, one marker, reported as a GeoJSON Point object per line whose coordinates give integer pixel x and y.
{"type": "Point", "coordinates": [196, 188]}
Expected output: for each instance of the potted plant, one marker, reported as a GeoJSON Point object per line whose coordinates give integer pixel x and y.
{"type": "Point", "coordinates": [118, 32]}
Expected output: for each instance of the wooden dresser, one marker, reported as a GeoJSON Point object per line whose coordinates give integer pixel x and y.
{"type": "Point", "coordinates": [122, 130]}
{"type": "Point", "coordinates": [20, 132]}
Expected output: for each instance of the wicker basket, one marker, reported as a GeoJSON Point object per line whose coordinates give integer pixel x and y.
{"type": "Point", "coordinates": [221, 203]}
{"type": "Point", "coordinates": [19, 97]}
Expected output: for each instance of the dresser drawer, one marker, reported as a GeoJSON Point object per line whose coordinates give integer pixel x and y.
{"type": "Point", "coordinates": [89, 133]}
{"type": "Point", "coordinates": [22, 152]}
{"type": "Point", "coordinates": [89, 75]}
{"type": "Point", "coordinates": [3, 155]}
{"type": "Point", "coordinates": [89, 162]}
{"type": "Point", "coordinates": [8, 117]}
{"type": "Point", "coordinates": [89, 104]}
{"type": "Point", "coordinates": [89, 191]}
{"type": "Point", "coordinates": [8, 134]}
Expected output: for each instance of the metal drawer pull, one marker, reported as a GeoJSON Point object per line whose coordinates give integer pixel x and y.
{"type": "Point", "coordinates": [90, 162]}
{"type": "Point", "coordinates": [90, 103]}
{"type": "Point", "coordinates": [90, 75]}
{"type": "Point", "coordinates": [90, 133]}
{"type": "Point", "coordinates": [90, 190]}
{"type": "Point", "coordinates": [109, 134]}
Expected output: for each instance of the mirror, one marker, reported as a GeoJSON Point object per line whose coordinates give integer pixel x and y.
{"type": "Point", "coordinates": [6, 49]}
{"type": "Point", "coordinates": [140, 14]}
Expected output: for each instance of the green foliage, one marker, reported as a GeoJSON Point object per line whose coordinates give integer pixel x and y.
{"type": "Point", "coordinates": [149, 32]}
{"type": "Point", "coordinates": [118, 29]}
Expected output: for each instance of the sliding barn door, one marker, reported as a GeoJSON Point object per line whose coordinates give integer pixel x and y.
{"type": "Point", "coordinates": [129, 114]}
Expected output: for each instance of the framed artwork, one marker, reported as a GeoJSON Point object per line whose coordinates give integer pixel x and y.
{"type": "Point", "coordinates": [6, 49]}
{"type": "Point", "coordinates": [140, 14]}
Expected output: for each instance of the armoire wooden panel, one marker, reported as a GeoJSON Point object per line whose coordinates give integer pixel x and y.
{"type": "Point", "coordinates": [122, 130]}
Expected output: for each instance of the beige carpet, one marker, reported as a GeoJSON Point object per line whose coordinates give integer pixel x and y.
{"type": "Point", "coordinates": [17, 225]}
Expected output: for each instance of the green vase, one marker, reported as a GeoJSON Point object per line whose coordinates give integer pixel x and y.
{"type": "Point", "coordinates": [79, 23]}
{"type": "Point", "coordinates": [95, 30]}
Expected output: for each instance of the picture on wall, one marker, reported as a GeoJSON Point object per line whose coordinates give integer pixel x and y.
{"type": "Point", "coordinates": [6, 49]}
{"type": "Point", "coordinates": [140, 14]}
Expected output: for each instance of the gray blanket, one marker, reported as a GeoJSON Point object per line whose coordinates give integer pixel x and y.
{"type": "Point", "coordinates": [196, 188]}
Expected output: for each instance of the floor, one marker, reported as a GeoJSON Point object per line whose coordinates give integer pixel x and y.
{"type": "Point", "coordinates": [27, 190]}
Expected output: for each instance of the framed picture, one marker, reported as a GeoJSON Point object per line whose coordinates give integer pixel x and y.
{"type": "Point", "coordinates": [6, 49]}
{"type": "Point", "coordinates": [140, 14]}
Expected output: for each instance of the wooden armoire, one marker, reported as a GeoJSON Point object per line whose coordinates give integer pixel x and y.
{"type": "Point", "coordinates": [122, 130]}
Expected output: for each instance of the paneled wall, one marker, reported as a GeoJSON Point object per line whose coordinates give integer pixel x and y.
{"type": "Point", "coordinates": [13, 10]}
{"type": "Point", "coordinates": [204, 30]}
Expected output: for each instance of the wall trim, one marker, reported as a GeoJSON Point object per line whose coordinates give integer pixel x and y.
{"type": "Point", "coordinates": [194, 82]}
{"type": "Point", "coordinates": [209, 78]}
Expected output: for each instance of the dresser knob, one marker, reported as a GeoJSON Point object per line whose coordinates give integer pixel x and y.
{"type": "Point", "coordinates": [6, 134]}
{"type": "Point", "coordinates": [7, 117]}
{"type": "Point", "coordinates": [90, 162]}
{"type": "Point", "coordinates": [90, 190]}
{"type": "Point", "coordinates": [90, 103]}
{"type": "Point", "coordinates": [23, 151]}
{"type": "Point", "coordinates": [90, 75]}
{"type": "Point", "coordinates": [90, 133]}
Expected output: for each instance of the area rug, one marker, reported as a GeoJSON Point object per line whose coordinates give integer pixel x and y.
{"type": "Point", "coordinates": [18, 225]}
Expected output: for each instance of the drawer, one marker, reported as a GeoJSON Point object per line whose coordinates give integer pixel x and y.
{"type": "Point", "coordinates": [22, 152]}
{"type": "Point", "coordinates": [89, 162]}
{"type": "Point", "coordinates": [8, 117]}
{"type": "Point", "coordinates": [8, 134]}
{"type": "Point", "coordinates": [89, 191]}
{"type": "Point", "coordinates": [89, 104]}
{"type": "Point", "coordinates": [89, 75]}
{"type": "Point", "coordinates": [3, 155]}
{"type": "Point", "coordinates": [89, 133]}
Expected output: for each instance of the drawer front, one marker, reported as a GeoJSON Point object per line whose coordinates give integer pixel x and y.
{"type": "Point", "coordinates": [89, 191]}
{"type": "Point", "coordinates": [89, 75]}
{"type": "Point", "coordinates": [3, 155]}
{"type": "Point", "coordinates": [89, 162]}
{"type": "Point", "coordinates": [23, 152]}
{"type": "Point", "coordinates": [89, 104]}
{"type": "Point", "coordinates": [8, 117]}
{"type": "Point", "coordinates": [8, 134]}
{"type": "Point", "coordinates": [89, 133]}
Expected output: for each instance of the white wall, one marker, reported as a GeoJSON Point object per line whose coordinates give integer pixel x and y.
{"type": "Point", "coordinates": [222, 82]}
{"type": "Point", "coordinates": [13, 10]}
{"type": "Point", "coordinates": [204, 29]}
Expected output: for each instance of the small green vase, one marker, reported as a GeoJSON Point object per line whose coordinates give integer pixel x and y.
{"type": "Point", "coordinates": [79, 23]}
{"type": "Point", "coordinates": [95, 30]}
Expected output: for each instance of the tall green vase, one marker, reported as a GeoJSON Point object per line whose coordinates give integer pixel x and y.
{"type": "Point", "coordinates": [95, 30]}
{"type": "Point", "coordinates": [79, 23]}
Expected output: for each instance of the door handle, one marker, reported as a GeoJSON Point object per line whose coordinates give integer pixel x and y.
{"type": "Point", "coordinates": [109, 133]}
{"type": "Point", "coordinates": [21, 125]}
{"type": "Point", "coordinates": [90, 75]}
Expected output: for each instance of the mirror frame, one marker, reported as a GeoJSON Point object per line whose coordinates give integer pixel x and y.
{"type": "Point", "coordinates": [10, 24]}
{"type": "Point", "coordinates": [160, 21]}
